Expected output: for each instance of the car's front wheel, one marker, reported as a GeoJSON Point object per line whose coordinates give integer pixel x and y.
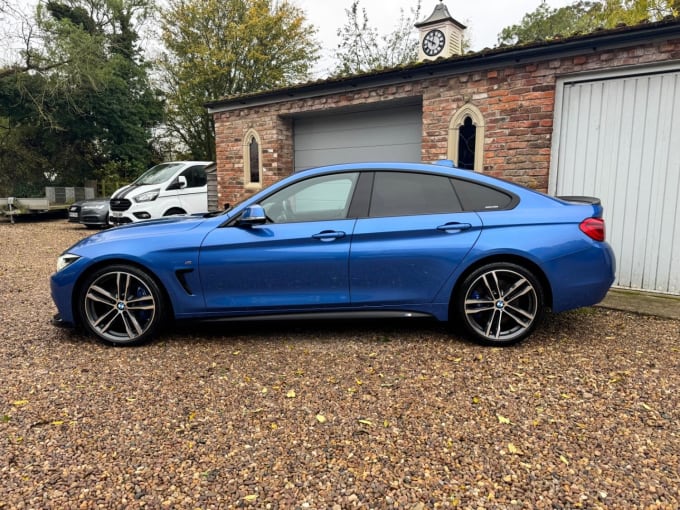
{"type": "Point", "coordinates": [499, 304]}
{"type": "Point", "coordinates": [121, 305]}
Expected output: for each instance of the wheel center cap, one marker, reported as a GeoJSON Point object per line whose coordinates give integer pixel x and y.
{"type": "Point", "coordinates": [120, 306]}
{"type": "Point", "coordinates": [500, 304]}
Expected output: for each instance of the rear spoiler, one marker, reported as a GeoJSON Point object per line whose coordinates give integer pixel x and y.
{"type": "Point", "coordinates": [582, 200]}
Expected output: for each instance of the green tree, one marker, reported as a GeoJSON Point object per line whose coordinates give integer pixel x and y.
{"type": "Point", "coordinates": [222, 48]}
{"type": "Point", "coordinates": [362, 49]}
{"type": "Point", "coordinates": [583, 17]}
{"type": "Point", "coordinates": [81, 98]}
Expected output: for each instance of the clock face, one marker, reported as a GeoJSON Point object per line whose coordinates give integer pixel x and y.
{"type": "Point", "coordinates": [433, 42]}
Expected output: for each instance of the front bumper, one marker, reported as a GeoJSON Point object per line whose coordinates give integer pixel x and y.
{"type": "Point", "coordinates": [61, 323]}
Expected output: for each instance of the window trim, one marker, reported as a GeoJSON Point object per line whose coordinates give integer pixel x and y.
{"type": "Point", "coordinates": [467, 110]}
{"type": "Point", "coordinates": [247, 140]}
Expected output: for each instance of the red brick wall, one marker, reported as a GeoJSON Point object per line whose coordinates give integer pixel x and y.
{"type": "Point", "coordinates": [517, 103]}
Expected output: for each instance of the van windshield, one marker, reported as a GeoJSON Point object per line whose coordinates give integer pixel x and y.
{"type": "Point", "coordinates": [157, 174]}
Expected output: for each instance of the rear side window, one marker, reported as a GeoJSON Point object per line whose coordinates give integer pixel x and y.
{"type": "Point", "coordinates": [409, 194]}
{"type": "Point", "coordinates": [477, 197]}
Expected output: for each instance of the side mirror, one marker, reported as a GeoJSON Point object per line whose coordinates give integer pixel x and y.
{"type": "Point", "coordinates": [253, 215]}
{"type": "Point", "coordinates": [179, 183]}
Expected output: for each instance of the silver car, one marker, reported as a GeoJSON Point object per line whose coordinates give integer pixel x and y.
{"type": "Point", "coordinates": [93, 213]}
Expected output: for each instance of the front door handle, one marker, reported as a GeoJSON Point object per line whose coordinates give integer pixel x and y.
{"type": "Point", "coordinates": [454, 225]}
{"type": "Point", "coordinates": [329, 235]}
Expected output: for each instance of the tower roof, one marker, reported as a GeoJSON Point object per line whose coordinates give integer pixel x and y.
{"type": "Point", "coordinates": [440, 13]}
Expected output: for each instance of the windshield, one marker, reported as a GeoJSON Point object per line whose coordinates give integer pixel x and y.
{"type": "Point", "coordinates": [157, 174]}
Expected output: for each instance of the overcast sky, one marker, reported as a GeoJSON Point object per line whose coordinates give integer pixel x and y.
{"type": "Point", "coordinates": [484, 18]}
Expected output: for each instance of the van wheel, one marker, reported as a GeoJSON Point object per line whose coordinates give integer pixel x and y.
{"type": "Point", "coordinates": [174, 212]}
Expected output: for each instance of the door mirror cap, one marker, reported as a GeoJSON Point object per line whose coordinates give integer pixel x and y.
{"type": "Point", "coordinates": [253, 215]}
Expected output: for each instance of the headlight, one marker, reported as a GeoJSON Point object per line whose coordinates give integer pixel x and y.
{"type": "Point", "coordinates": [148, 196]}
{"type": "Point", "coordinates": [99, 207]}
{"type": "Point", "coordinates": [66, 260]}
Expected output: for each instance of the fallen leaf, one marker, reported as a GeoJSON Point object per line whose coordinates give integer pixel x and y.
{"type": "Point", "coordinates": [291, 394]}
{"type": "Point", "coordinates": [366, 422]}
{"type": "Point", "coordinates": [513, 449]}
{"type": "Point", "coordinates": [320, 418]}
{"type": "Point", "coordinates": [250, 498]}
{"type": "Point", "coordinates": [564, 459]}
{"type": "Point", "coordinates": [273, 426]}
{"type": "Point", "coordinates": [20, 403]}
{"type": "Point", "coordinates": [57, 422]}
{"type": "Point", "coordinates": [646, 406]}
{"type": "Point", "coordinates": [502, 419]}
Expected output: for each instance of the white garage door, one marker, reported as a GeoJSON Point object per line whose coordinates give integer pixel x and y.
{"type": "Point", "coordinates": [618, 138]}
{"type": "Point", "coordinates": [381, 134]}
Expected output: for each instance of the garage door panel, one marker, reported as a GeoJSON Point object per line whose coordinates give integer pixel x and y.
{"type": "Point", "coordinates": [357, 136]}
{"type": "Point", "coordinates": [393, 134]}
{"type": "Point", "coordinates": [616, 142]}
{"type": "Point", "coordinates": [319, 157]}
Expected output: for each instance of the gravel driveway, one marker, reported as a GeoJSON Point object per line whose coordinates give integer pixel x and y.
{"type": "Point", "coordinates": [584, 414]}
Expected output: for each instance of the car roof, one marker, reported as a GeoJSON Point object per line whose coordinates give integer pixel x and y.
{"type": "Point", "coordinates": [442, 167]}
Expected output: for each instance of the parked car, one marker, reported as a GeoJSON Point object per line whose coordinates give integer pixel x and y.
{"type": "Point", "coordinates": [93, 213]}
{"type": "Point", "coordinates": [354, 240]}
{"type": "Point", "coordinates": [168, 189]}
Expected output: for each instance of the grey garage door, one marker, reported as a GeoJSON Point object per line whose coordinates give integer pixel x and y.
{"type": "Point", "coordinates": [392, 134]}
{"type": "Point", "coordinates": [617, 138]}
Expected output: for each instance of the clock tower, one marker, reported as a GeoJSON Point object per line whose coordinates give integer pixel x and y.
{"type": "Point", "coordinates": [441, 36]}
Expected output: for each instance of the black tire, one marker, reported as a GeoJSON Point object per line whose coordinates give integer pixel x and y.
{"type": "Point", "coordinates": [499, 304]}
{"type": "Point", "coordinates": [121, 305]}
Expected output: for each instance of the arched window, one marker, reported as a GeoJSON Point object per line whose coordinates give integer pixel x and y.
{"type": "Point", "coordinates": [466, 138]}
{"type": "Point", "coordinates": [252, 160]}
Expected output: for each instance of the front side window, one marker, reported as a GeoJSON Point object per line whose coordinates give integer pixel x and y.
{"type": "Point", "coordinates": [320, 198]}
{"type": "Point", "coordinates": [195, 176]}
{"type": "Point", "coordinates": [408, 194]}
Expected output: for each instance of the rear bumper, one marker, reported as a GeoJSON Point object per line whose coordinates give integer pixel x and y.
{"type": "Point", "coordinates": [582, 279]}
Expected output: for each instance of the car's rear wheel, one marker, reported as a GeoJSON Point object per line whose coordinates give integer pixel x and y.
{"type": "Point", "coordinates": [121, 305]}
{"type": "Point", "coordinates": [499, 304]}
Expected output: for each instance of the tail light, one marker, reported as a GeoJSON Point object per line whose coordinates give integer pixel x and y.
{"type": "Point", "coordinates": [593, 228]}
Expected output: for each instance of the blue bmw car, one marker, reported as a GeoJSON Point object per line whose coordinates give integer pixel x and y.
{"type": "Point", "coordinates": [346, 241]}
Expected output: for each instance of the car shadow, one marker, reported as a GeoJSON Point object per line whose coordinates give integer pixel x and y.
{"type": "Point", "coordinates": [384, 329]}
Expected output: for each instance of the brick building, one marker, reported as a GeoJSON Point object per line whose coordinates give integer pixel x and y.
{"type": "Point", "coordinates": [592, 114]}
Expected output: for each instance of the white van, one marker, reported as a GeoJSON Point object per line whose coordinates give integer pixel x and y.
{"type": "Point", "coordinates": [178, 187]}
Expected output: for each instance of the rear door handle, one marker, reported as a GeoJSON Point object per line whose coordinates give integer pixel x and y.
{"type": "Point", "coordinates": [454, 225]}
{"type": "Point", "coordinates": [329, 235]}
